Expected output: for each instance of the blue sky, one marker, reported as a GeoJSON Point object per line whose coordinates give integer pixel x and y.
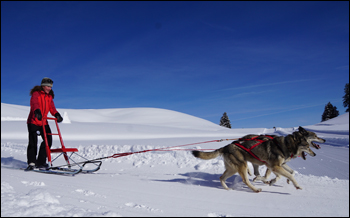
{"type": "Point", "coordinates": [264, 63]}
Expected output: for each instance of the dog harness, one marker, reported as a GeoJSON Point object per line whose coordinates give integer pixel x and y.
{"type": "Point", "coordinates": [249, 150]}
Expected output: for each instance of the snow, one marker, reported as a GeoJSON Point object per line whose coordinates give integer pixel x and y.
{"type": "Point", "coordinates": [165, 183]}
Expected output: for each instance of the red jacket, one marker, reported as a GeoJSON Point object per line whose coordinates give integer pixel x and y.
{"type": "Point", "coordinates": [41, 100]}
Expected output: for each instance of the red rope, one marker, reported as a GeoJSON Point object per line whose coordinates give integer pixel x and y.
{"type": "Point", "coordinates": [168, 149]}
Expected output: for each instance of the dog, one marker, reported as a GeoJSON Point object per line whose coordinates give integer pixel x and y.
{"type": "Point", "coordinates": [273, 153]}
{"type": "Point", "coordinates": [311, 136]}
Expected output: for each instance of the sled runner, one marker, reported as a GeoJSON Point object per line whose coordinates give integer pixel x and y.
{"type": "Point", "coordinates": [69, 168]}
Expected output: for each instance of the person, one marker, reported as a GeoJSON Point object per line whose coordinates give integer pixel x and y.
{"type": "Point", "coordinates": [41, 103]}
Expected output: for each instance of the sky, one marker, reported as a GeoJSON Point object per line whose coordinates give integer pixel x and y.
{"type": "Point", "coordinates": [265, 64]}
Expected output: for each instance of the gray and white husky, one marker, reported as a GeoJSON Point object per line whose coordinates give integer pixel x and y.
{"type": "Point", "coordinates": [274, 153]}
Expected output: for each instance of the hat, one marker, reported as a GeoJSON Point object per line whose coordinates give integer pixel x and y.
{"type": "Point", "coordinates": [46, 82]}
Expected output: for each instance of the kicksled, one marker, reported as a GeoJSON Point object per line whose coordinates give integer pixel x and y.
{"type": "Point", "coordinates": [73, 167]}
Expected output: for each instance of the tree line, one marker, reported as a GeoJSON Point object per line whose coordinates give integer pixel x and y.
{"type": "Point", "coordinates": [330, 111]}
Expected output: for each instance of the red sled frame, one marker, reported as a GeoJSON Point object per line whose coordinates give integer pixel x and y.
{"type": "Point", "coordinates": [63, 151]}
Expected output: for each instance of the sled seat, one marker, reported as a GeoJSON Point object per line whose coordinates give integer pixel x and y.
{"type": "Point", "coordinates": [60, 150]}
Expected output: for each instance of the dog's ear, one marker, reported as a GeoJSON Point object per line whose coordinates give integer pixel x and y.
{"type": "Point", "coordinates": [302, 130]}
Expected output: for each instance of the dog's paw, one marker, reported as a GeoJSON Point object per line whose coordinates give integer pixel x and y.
{"type": "Point", "coordinates": [298, 187]}
{"type": "Point", "coordinates": [225, 187]}
{"type": "Point", "coordinates": [258, 190]}
{"type": "Point", "coordinates": [288, 181]}
{"type": "Point", "coordinates": [272, 181]}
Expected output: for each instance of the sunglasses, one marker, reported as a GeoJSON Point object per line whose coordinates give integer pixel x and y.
{"type": "Point", "coordinates": [47, 81]}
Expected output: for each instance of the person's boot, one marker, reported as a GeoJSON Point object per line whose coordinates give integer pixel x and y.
{"type": "Point", "coordinates": [30, 167]}
{"type": "Point", "coordinates": [42, 166]}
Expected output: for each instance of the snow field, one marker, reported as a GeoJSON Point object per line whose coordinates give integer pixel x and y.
{"type": "Point", "coordinates": [166, 183]}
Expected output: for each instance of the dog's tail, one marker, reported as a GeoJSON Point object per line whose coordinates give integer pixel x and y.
{"type": "Point", "coordinates": [207, 155]}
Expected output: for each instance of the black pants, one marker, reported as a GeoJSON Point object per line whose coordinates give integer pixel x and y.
{"type": "Point", "coordinates": [33, 141]}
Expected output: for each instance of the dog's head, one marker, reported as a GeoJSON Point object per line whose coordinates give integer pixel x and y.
{"type": "Point", "coordinates": [311, 137]}
{"type": "Point", "coordinates": [304, 147]}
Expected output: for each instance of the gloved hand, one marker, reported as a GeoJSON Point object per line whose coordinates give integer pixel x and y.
{"type": "Point", "coordinates": [58, 117]}
{"type": "Point", "coordinates": [38, 115]}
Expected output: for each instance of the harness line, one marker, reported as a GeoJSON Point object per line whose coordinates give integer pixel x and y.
{"type": "Point", "coordinates": [249, 150]}
{"type": "Point", "coordinates": [158, 149]}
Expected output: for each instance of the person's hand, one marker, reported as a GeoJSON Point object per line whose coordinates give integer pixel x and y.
{"type": "Point", "coordinates": [38, 115]}
{"type": "Point", "coordinates": [58, 117]}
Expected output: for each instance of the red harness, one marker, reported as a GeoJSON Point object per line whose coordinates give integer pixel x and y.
{"type": "Point", "coordinates": [249, 149]}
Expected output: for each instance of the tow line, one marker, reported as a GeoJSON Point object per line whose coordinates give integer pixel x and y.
{"type": "Point", "coordinates": [117, 155]}
{"type": "Point", "coordinates": [96, 163]}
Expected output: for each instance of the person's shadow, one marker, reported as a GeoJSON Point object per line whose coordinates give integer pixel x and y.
{"type": "Point", "coordinates": [10, 162]}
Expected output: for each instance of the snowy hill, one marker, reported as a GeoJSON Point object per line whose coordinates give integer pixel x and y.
{"type": "Point", "coordinates": [168, 183]}
{"type": "Point", "coordinates": [140, 116]}
{"type": "Point", "coordinates": [114, 124]}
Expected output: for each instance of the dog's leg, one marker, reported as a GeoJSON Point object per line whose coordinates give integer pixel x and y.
{"type": "Point", "coordinates": [279, 170]}
{"type": "Point", "coordinates": [243, 173]}
{"type": "Point", "coordinates": [227, 174]}
{"type": "Point", "coordinates": [273, 181]}
{"type": "Point", "coordinates": [263, 178]}
{"type": "Point", "coordinates": [256, 170]}
{"type": "Point", "coordinates": [267, 175]}
{"type": "Point", "coordinates": [256, 173]}
{"type": "Point", "coordinates": [290, 170]}
{"type": "Point", "coordinates": [230, 171]}
{"type": "Point", "coordinates": [249, 172]}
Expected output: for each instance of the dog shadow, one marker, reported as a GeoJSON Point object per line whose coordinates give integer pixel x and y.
{"type": "Point", "coordinates": [235, 182]}
{"type": "Point", "coordinates": [209, 180]}
{"type": "Point", "coordinates": [198, 179]}
{"type": "Point", "coordinates": [10, 162]}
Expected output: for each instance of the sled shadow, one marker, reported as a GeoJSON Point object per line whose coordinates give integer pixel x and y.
{"type": "Point", "coordinates": [12, 163]}
{"type": "Point", "coordinates": [213, 181]}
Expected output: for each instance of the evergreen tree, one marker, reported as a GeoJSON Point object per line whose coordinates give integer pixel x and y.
{"type": "Point", "coordinates": [346, 97]}
{"type": "Point", "coordinates": [330, 112]}
{"type": "Point", "coordinates": [225, 121]}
